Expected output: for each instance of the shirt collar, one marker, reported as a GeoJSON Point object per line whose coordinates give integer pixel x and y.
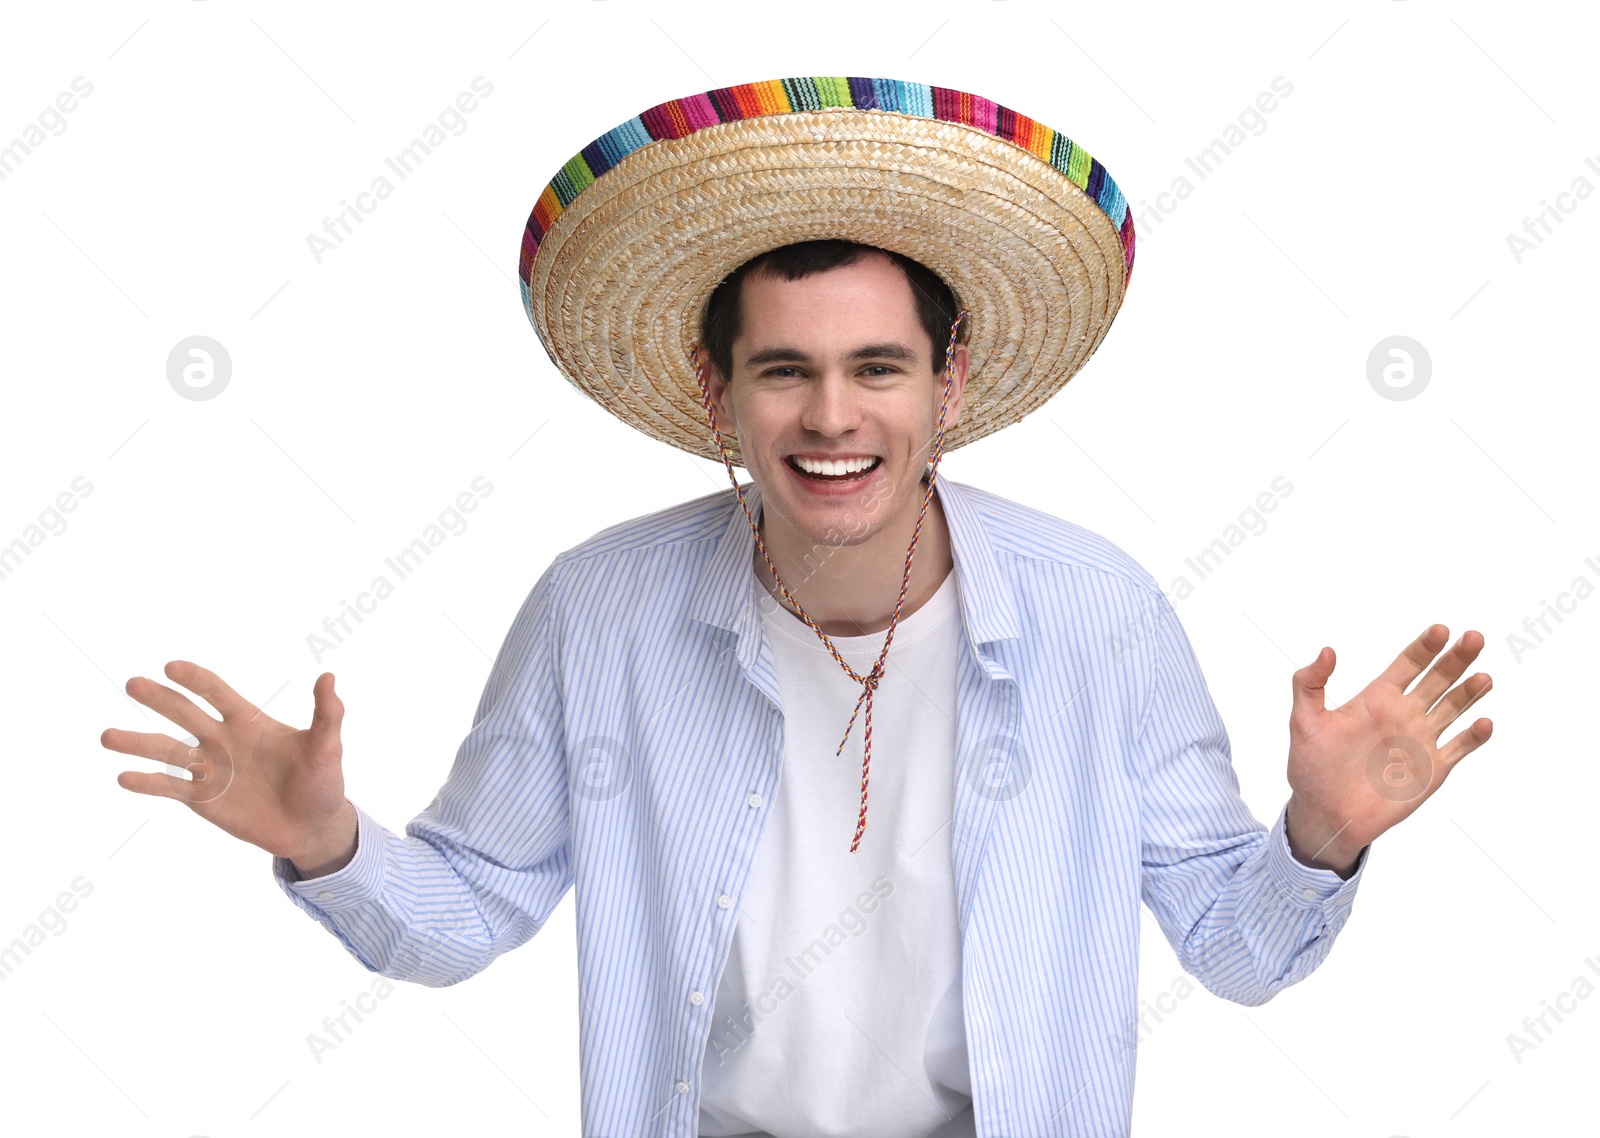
{"type": "Point", "coordinates": [722, 594]}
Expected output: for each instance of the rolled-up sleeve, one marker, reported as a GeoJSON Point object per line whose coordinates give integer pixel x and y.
{"type": "Point", "coordinates": [1244, 916]}
{"type": "Point", "coordinates": [480, 870]}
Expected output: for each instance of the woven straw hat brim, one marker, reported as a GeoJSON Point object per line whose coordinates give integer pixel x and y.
{"type": "Point", "coordinates": [621, 275]}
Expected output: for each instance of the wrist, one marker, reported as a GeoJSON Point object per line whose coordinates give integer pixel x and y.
{"type": "Point", "coordinates": [1317, 842]}
{"type": "Point", "coordinates": [332, 850]}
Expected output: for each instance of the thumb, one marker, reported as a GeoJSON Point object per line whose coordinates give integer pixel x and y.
{"type": "Point", "coordinates": [1309, 683]}
{"type": "Point", "coordinates": [328, 715]}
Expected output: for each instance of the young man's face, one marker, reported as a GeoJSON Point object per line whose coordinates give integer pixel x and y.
{"type": "Point", "coordinates": [837, 366]}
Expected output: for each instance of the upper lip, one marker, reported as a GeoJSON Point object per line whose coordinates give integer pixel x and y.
{"type": "Point", "coordinates": [833, 457]}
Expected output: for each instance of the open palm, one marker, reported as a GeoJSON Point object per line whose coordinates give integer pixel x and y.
{"type": "Point", "coordinates": [1357, 770]}
{"type": "Point", "coordinates": [262, 781]}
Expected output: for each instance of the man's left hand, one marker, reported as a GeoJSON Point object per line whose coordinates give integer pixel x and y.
{"type": "Point", "coordinates": [1357, 770]}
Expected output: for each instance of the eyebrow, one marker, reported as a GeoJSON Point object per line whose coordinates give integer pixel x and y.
{"type": "Point", "coordinates": [888, 350]}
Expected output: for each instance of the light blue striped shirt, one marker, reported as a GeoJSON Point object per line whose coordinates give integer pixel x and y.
{"type": "Point", "coordinates": [632, 720]}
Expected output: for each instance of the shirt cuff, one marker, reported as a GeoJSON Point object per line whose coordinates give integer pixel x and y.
{"type": "Point", "coordinates": [1305, 885]}
{"type": "Point", "coordinates": [351, 887]}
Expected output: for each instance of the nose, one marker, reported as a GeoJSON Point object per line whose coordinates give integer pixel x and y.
{"type": "Point", "coordinates": [830, 406]}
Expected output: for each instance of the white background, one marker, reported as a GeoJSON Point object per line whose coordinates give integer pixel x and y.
{"type": "Point", "coordinates": [369, 390]}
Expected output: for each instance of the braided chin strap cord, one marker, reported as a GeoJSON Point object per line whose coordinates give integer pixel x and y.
{"type": "Point", "coordinates": [868, 682]}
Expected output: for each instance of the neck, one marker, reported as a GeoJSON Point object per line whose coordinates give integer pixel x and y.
{"type": "Point", "coordinates": [851, 590]}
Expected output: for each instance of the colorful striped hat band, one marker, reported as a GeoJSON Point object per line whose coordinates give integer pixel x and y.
{"type": "Point", "coordinates": [868, 682]}
{"type": "Point", "coordinates": [625, 245]}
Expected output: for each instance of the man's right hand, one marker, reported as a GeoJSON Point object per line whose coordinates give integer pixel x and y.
{"type": "Point", "coordinates": [260, 780]}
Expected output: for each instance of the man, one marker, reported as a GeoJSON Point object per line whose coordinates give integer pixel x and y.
{"type": "Point", "coordinates": [659, 729]}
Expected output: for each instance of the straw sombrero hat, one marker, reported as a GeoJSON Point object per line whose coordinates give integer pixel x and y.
{"type": "Point", "coordinates": [629, 239]}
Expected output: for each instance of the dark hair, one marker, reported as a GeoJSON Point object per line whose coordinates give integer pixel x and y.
{"type": "Point", "coordinates": [720, 323]}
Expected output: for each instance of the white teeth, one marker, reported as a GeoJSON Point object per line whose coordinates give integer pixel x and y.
{"type": "Point", "coordinates": [830, 466]}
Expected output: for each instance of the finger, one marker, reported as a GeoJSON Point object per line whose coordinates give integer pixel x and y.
{"type": "Point", "coordinates": [156, 785]}
{"type": "Point", "coordinates": [1447, 670]}
{"type": "Point", "coordinates": [1463, 696]}
{"type": "Point", "coordinates": [328, 716]}
{"type": "Point", "coordinates": [147, 745]}
{"type": "Point", "coordinates": [1409, 664]}
{"type": "Point", "coordinates": [1466, 742]}
{"type": "Point", "coordinates": [209, 686]}
{"type": "Point", "coordinates": [172, 704]}
{"type": "Point", "coordinates": [1310, 684]}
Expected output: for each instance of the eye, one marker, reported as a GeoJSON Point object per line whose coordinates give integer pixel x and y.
{"type": "Point", "coordinates": [882, 369]}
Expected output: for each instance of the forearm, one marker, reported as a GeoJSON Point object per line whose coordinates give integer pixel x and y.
{"type": "Point", "coordinates": [1273, 920]}
{"type": "Point", "coordinates": [407, 911]}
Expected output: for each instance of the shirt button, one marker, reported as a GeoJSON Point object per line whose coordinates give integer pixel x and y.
{"type": "Point", "coordinates": [696, 998]}
{"type": "Point", "coordinates": [754, 800]}
{"type": "Point", "coordinates": [1309, 893]}
{"type": "Point", "coordinates": [724, 901]}
{"type": "Point", "coordinates": [683, 1087]}
{"type": "Point", "coordinates": [324, 896]}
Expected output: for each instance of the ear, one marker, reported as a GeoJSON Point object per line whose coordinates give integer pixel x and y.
{"type": "Point", "coordinates": [721, 398]}
{"type": "Point", "coordinates": [958, 377]}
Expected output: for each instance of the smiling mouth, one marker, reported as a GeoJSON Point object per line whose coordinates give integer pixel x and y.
{"type": "Point", "coordinates": [853, 476]}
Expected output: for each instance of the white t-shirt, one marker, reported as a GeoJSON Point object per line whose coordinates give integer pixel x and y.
{"type": "Point", "coordinates": [838, 1014]}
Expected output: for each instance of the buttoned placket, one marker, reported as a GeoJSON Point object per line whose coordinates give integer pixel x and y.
{"type": "Point", "coordinates": [755, 661]}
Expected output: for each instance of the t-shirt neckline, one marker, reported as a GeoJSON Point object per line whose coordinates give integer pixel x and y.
{"type": "Point", "coordinates": [933, 613]}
